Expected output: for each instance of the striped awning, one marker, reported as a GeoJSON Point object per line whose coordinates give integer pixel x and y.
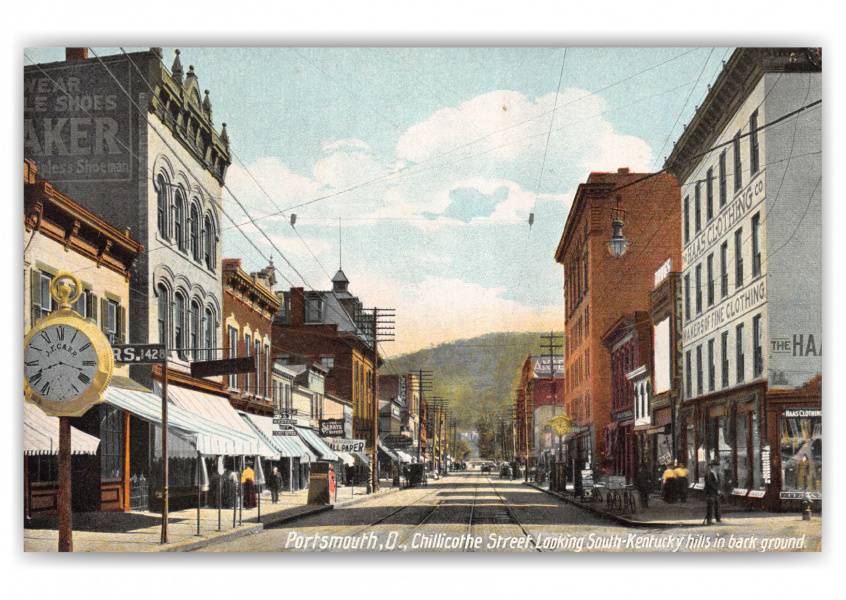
{"type": "Point", "coordinates": [208, 437]}
{"type": "Point", "coordinates": [218, 410]}
{"type": "Point", "coordinates": [41, 434]}
{"type": "Point", "coordinates": [319, 446]}
{"type": "Point", "coordinates": [285, 445]}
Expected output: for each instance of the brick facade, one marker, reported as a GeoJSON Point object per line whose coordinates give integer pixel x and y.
{"type": "Point", "coordinates": [599, 288]}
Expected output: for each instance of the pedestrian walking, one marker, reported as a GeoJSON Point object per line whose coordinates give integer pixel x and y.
{"type": "Point", "coordinates": [275, 485]}
{"type": "Point", "coordinates": [681, 481]}
{"type": "Point", "coordinates": [669, 489]}
{"type": "Point", "coordinates": [712, 493]}
{"type": "Point", "coordinates": [248, 478]}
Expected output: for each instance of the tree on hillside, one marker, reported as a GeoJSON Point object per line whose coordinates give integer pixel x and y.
{"type": "Point", "coordinates": [487, 446]}
{"type": "Point", "coordinates": [462, 450]}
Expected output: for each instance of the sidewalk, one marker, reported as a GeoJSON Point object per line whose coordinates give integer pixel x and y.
{"type": "Point", "coordinates": [141, 531]}
{"type": "Point", "coordinates": [660, 514]}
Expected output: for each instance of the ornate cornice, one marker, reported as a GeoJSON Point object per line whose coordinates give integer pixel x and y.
{"type": "Point", "coordinates": [738, 78]}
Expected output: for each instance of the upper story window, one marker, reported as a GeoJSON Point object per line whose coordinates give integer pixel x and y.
{"type": "Point", "coordinates": [248, 341]}
{"type": "Point", "coordinates": [686, 219]}
{"type": "Point", "coordinates": [112, 320]}
{"type": "Point", "coordinates": [709, 194]}
{"type": "Point", "coordinates": [754, 154]}
{"type": "Point", "coordinates": [178, 220]}
{"type": "Point", "coordinates": [163, 311]}
{"type": "Point", "coordinates": [314, 309]}
{"type": "Point", "coordinates": [724, 286]}
{"type": "Point", "coordinates": [757, 347]}
{"type": "Point", "coordinates": [697, 208]}
{"type": "Point", "coordinates": [161, 206]}
{"type": "Point", "coordinates": [232, 334]}
{"type": "Point", "coordinates": [738, 258]}
{"type": "Point", "coordinates": [179, 325]}
{"type": "Point", "coordinates": [723, 193]}
{"type": "Point", "coordinates": [210, 243]}
{"type": "Point", "coordinates": [42, 302]}
{"type": "Point", "coordinates": [211, 335]}
{"type": "Point", "coordinates": [194, 232]}
{"type": "Point", "coordinates": [259, 390]}
{"type": "Point", "coordinates": [738, 163]}
{"type": "Point", "coordinates": [756, 245]}
{"type": "Point", "coordinates": [195, 329]}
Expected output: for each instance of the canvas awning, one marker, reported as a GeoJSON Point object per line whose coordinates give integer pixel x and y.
{"type": "Point", "coordinates": [208, 437]}
{"type": "Point", "coordinates": [285, 445]}
{"type": "Point", "coordinates": [404, 457]}
{"type": "Point", "coordinates": [41, 434]}
{"type": "Point", "coordinates": [218, 410]}
{"type": "Point", "coordinates": [347, 458]}
{"type": "Point", "coordinates": [388, 452]}
{"type": "Point", "coordinates": [315, 443]}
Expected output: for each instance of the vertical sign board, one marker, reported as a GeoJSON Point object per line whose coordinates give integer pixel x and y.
{"type": "Point", "coordinates": [77, 121]}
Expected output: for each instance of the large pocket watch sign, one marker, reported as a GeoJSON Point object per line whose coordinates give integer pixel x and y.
{"type": "Point", "coordinates": [68, 361]}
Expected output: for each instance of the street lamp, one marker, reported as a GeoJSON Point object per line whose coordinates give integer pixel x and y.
{"type": "Point", "coordinates": [618, 244]}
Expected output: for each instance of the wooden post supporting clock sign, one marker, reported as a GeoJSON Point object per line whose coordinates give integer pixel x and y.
{"type": "Point", "coordinates": [68, 363]}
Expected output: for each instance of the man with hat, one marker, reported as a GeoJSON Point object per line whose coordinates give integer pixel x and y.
{"type": "Point", "coordinates": [712, 492]}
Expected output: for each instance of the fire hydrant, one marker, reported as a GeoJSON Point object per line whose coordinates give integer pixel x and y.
{"type": "Point", "coordinates": [806, 508]}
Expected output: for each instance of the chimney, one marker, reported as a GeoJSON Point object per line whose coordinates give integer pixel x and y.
{"type": "Point", "coordinates": [623, 170]}
{"type": "Point", "coordinates": [76, 53]}
{"type": "Point", "coordinates": [297, 307]}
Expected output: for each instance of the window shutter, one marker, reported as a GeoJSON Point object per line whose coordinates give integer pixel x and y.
{"type": "Point", "coordinates": [35, 293]}
{"type": "Point", "coordinates": [92, 312]}
{"type": "Point", "coordinates": [122, 325]}
{"type": "Point", "coordinates": [104, 313]}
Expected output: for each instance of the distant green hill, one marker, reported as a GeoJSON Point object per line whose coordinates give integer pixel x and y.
{"type": "Point", "coordinates": [478, 375]}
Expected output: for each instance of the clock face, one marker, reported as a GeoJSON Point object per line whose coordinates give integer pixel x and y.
{"type": "Point", "coordinates": [60, 363]}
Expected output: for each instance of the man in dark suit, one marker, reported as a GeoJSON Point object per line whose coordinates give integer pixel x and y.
{"type": "Point", "coordinates": [712, 493]}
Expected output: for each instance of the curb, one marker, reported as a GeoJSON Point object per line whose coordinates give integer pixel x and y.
{"type": "Point", "coordinates": [606, 515]}
{"type": "Point", "coordinates": [244, 530]}
{"type": "Point", "coordinates": [270, 521]}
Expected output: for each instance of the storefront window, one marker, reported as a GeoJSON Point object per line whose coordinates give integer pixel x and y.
{"type": "Point", "coordinates": [111, 442]}
{"type": "Point", "coordinates": [719, 449]}
{"type": "Point", "coordinates": [691, 450]}
{"type": "Point", "coordinates": [801, 450]}
{"type": "Point", "coordinates": [756, 453]}
{"type": "Point", "coordinates": [182, 463]}
{"type": "Point", "coordinates": [742, 451]}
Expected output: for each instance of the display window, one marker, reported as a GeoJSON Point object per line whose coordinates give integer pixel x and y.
{"type": "Point", "coordinates": [801, 450]}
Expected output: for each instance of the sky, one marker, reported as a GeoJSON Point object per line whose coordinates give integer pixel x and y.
{"type": "Point", "coordinates": [416, 169]}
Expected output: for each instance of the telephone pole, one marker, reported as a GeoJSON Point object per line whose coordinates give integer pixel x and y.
{"type": "Point", "coordinates": [382, 331]}
{"type": "Point", "coordinates": [424, 384]}
{"type": "Point", "coordinates": [552, 345]}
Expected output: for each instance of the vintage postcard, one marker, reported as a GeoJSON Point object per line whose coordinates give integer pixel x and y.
{"type": "Point", "coordinates": [422, 299]}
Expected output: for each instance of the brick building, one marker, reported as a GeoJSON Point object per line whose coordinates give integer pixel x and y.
{"type": "Point", "coordinates": [249, 306]}
{"type": "Point", "coordinates": [599, 288]}
{"type": "Point", "coordinates": [629, 344]}
{"type": "Point", "coordinates": [330, 328]}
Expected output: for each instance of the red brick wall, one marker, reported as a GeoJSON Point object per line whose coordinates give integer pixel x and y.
{"type": "Point", "coordinates": [617, 286]}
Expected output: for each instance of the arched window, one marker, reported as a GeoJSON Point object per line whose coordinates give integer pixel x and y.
{"type": "Point", "coordinates": [211, 335]}
{"type": "Point", "coordinates": [210, 242]}
{"type": "Point", "coordinates": [179, 324]}
{"type": "Point", "coordinates": [194, 227]}
{"type": "Point", "coordinates": [178, 220]}
{"type": "Point", "coordinates": [164, 309]}
{"type": "Point", "coordinates": [161, 202]}
{"type": "Point", "coordinates": [195, 329]}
